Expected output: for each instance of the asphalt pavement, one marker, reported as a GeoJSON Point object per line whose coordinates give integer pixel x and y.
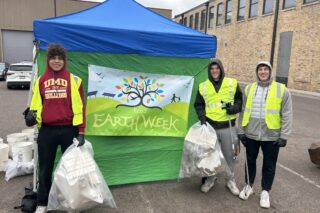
{"type": "Point", "coordinates": [296, 187]}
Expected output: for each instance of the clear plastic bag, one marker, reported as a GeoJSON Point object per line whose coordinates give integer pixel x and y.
{"type": "Point", "coordinates": [78, 183]}
{"type": "Point", "coordinates": [15, 169]}
{"type": "Point", "coordinates": [202, 156]}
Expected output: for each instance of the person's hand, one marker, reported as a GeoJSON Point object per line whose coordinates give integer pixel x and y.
{"type": "Point", "coordinates": [203, 120]}
{"type": "Point", "coordinates": [229, 108]}
{"type": "Point", "coordinates": [280, 142]}
{"type": "Point", "coordinates": [80, 139]}
{"type": "Point", "coordinates": [30, 117]}
{"type": "Point", "coordinates": [243, 139]}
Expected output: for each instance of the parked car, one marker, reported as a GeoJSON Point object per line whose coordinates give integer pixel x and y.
{"type": "Point", "coordinates": [3, 70]}
{"type": "Point", "coordinates": [19, 75]}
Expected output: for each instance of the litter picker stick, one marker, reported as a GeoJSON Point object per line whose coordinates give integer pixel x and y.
{"type": "Point", "coordinates": [246, 164]}
{"type": "Point", "coordinates": [35, 147]}
{"type": "Point", "coordinates": [34, 68]}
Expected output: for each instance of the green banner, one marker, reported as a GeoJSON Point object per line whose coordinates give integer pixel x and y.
{"type": "Point", "coordinates": [124, 103]}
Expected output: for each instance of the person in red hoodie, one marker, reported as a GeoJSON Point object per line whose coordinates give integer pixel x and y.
{"type": "Point", "coordinates": [57, 107]}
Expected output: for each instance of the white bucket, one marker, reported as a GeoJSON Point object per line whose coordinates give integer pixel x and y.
{"type": "Point", "coordinates": [1, 140]}
{"type": "Point", "coordinates": [22, 151]}
{"type": "Point", "coordinates": [28, 130]}
{"type": "Point", "coordinates": [15, 138]}
{"type": "Point", "coordinates": [4, 153]}
{"type": "Point", "coordinates": [30, 133]}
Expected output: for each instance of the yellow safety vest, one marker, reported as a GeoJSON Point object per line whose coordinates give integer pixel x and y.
{"type": "Point", "coordinates": [213, 99]}
{"type": "Point", "coordinates": [272, 107]}
{"type": "Point", "coordinates": [76, 101]}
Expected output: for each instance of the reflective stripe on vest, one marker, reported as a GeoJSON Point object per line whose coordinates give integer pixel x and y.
{"type": "Point", "coordinates": [213, 99]}
{"type": "Point", "coordinates": [76, 101]}
{"type": "Point", "coordinates": [272, 108]}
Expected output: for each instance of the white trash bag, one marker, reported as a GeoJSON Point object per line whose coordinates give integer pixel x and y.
{"type": "Point", "coordinates": [78, 183]}
{"type": "Point", "coordinates": [202, 156]}
{"type": "Point", "coordinates": [15, 169]}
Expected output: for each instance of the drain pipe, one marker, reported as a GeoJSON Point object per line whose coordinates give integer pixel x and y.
{"type": "Point", "coordinates": [274, 33]}
{"type": "Point", "coordinates": [206, 22]}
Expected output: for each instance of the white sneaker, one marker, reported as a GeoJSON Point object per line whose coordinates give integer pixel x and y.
{"type": "Point", "coordinates": [246, 192]}
{"type": "Point", "coordinates": [208, 184]}
{"type": "Point", "coordinates": [264, 199]}
{"type": "Point", "coordinates": [41, 209]}
{"type": "Point", "coordinates": [231, 185]}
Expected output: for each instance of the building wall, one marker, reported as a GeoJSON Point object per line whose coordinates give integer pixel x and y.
{"type": "Point", "coordinates": [241, 44]}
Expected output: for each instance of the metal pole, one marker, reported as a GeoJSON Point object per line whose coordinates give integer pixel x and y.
{"type": "Point", "coordinates": [274, 33]}
{"type": "Point", "coordinates": [55, 7]}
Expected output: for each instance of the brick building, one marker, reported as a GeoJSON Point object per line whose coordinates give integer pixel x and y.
{"type": "Point", "coordinates": [253, 30]}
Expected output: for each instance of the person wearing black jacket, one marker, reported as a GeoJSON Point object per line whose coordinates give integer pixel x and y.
{"type": "Point", "coordinates": [218, 101]}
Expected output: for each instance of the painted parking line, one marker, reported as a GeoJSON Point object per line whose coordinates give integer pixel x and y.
{"type": "Point", "coordinates": [299, 175]}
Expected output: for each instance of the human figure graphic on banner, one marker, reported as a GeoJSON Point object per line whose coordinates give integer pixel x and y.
{"type": "Point", "coordinates": [174, 97]}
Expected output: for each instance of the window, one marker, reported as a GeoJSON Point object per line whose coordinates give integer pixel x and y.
{"type": "Point", "coordinates": [203, 19]}
{"type": "Point", "coordinates": [185, 21]}
{"type": "Point", "coordinates": [181, 21]}
{"type": "Point", "coordinates": [228, 12]}
{"type": "Point", "coordinates": [289, 3]}
{"type": "Point", "coordinates": [267, 6]}
{"type": "Point", "coordinates": [196, 22]}
{"type": "Point", "coordinates": [191, 21]}
{"type": "Point", "coordinates": [308, 1]}
{"type": "Point", "coordinates": [211, 15]}
{"type": "Point", "coordinates": [253, 8]}
{"type": "Point", "coordinates": [219, 14]}
{"type": "Point", "coordinates": [241, 9]}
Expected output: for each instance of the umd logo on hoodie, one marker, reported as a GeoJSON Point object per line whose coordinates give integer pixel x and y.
{"type": "Point", "coordinates": [55, 88]}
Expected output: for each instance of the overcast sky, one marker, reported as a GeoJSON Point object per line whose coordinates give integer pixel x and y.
{"type": "Point", "coordinates": [177, 6]}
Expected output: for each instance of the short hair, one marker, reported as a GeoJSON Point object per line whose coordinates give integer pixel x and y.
{"type": "Point", "coordinates": [56, 50]}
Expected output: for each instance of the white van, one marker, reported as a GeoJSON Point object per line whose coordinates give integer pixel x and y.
{"type": "Point", "coordinates": [19, 75]}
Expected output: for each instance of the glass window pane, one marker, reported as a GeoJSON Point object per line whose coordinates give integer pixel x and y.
{"type": "Point", "coordinates": [268, 6]}
{"type": "Point", "coordinates": [203, 19]}
{"type": "Point", "coordinates": [196, 22]}
{"type": "Point", "coordinates": [289, 3]}
{"type": "Point", "coordinates": [241, 14]}
{"type": "Point", "coordinates": [191, 21]}
{"type": "Point", "coordinates": [211, 15]}
{"type": "Point", "coordinates": [219, 14]}
{"type": "Point", "coordinates": [253, 10]}
{"type": "Point", "coordinates": [309, 1]}
{"type": "Point", "coordinates": [242, 3]}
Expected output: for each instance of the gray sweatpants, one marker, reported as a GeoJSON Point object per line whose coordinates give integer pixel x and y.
{"type": "Point", "coordinates": [225, 141]}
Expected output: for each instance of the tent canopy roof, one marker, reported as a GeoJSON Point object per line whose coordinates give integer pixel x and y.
{"type": "Point", "coordinates": [123, 26]}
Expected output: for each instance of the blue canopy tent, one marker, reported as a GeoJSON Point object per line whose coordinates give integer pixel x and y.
{"type": "Point", "coordinates": [123, 34]}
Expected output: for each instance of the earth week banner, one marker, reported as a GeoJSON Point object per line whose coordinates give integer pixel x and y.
{"type": "Point", "coordinates": [126, 103]}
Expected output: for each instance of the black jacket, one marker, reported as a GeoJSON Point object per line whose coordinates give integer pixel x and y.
{"type": "Point", "coordinates": [200, 104]}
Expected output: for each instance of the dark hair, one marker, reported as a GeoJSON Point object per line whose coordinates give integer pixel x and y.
{"type": "Point", "coordinates": [56, 50]}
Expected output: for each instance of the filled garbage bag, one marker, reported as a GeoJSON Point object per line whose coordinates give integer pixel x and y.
{"type": "Point", "coordinates": [15, 169]}
{"type": "Point", "coordinates": [202, 156]}
{"type": "Point", "coordinates": [78, 183]}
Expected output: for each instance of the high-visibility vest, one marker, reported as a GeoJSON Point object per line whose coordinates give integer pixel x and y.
{"type": "Point", "coordinates": [76, 101]}
{"type": "Point", "coordinates": [272, 107]}
{"type": "Point", "coordinates": [213, 99]}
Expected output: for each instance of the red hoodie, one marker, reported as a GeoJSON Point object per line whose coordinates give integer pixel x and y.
{"type": "Point", "coordinates": [56, 98]}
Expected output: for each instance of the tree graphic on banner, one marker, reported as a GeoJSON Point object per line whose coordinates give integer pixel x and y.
{"type": "Point", "coordinates": [146, 91]}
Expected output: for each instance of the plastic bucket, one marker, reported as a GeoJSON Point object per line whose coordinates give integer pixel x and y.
{"type": "Point", "coordinates": [15, 138]}
{"type": "Point", "coordinates": [22, 151]}
{"type": "Point", "coordinates": [4, 153]}
{"type": "Point", "coordinates": [30, 133]}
